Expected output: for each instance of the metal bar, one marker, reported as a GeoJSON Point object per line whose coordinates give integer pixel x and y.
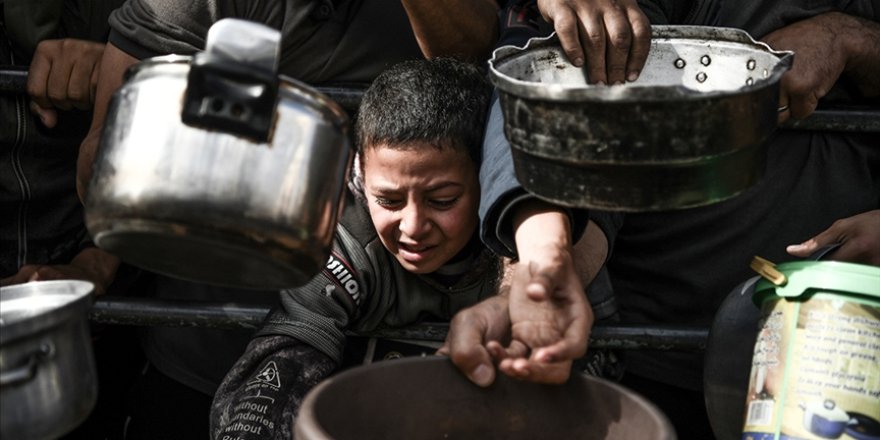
{"type": "Point", "coordinates": [853, 119]}
{"type": "Point", "coordinates": [348, 98]}
{"type": "Point", "coordinates": [13, 79]}
{"type": "Point", "coordinates": [178, 313]}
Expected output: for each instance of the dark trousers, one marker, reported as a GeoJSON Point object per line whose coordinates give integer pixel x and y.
{"type": "Point", "coordinates": [161, 408]}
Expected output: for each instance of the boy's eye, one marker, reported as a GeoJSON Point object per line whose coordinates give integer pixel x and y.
{"type": "Point", "coordinates": [444, 203]}
{"type": "Point", "coordinates": [388, 203]}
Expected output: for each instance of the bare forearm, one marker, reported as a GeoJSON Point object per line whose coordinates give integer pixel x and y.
{"type": "Point", "coordinates": [101, 265]}
{"type": "Point", "coordinates": [113, 65]}
{"type": "Point", "coordinates": [463, 28]}
{"type": "Point", "coordinates": [540, 228]}
{"type": "Point", "coordinates": [862, 43]}
{"type": "Point", "coordinates": [590, 253]}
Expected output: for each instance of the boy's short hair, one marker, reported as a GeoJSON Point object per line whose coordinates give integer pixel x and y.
{"type": "Point", "coordinates": [442, 101]}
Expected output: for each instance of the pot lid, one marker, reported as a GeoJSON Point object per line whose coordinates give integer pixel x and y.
{"type": "Point", "coordinates": [828, 410]}
{"type": "Point", "coordinates": [804, 277]}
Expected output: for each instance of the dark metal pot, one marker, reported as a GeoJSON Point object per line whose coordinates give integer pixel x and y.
{"type": "Point", "coordinates": [48, 381]}
{"type": "Point", "coordinates": [427, 398]}
{"type": "Point", "coordinates": [214, 169]}
{"type": "Point", "coordinates": [689, 132]}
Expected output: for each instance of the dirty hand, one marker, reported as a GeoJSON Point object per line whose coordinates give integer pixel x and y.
{"type": "Point", "coordinates": [615, 36]}
{"type": "Point", "coordinates": [858, 236]}
{"type": "Point", "coordinates": [821, 46]}
{"type": "Point", "coordinates": [63, 75]}
{"type": "Point", "coordinates": [550, 319]}
{"type": "Point", "coordinates": [91, 264]}
{"type": "Point", "coordinates": [473, 341]}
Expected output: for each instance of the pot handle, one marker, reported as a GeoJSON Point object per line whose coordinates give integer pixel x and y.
{"type": "Point", "coordinates": [233, 85]}
{"type": "Point", "coordinates": [29, 369]}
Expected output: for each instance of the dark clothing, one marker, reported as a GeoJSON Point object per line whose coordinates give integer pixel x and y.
{"type": "Point", "coordinates": [41, 218]}
{"type": "Point", "coordinates": [199, 357]}
{"type": "Point", "coordinates": [149, 415]}
{"type": "Point", "coordinates": [362, 288]}
{"type": "Point", "coordinates": [322, 41]}
{"type": "Point", "coordinates": [676, 267]}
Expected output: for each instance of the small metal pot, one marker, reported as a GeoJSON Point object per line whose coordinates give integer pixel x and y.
{"type": "Point", "coordinates": [690, 131]}
{"type": "Point", "coordinates": [48, 381]}
{"type": "Point", "coordinates": [214, 169]}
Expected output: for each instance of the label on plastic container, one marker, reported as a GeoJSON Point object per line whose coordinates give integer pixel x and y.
{"type": "Point", "coordinates": [815, 371]}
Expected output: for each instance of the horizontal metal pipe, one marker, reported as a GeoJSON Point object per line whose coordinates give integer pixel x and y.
{"type": "Point", "coordinates": [852, 119]}
{"type": "Point", "coordinates": [178, 313]}
{"type": "Point", "coordinates": [13, 79]}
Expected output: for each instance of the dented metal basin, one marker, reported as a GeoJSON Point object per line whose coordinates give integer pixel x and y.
{"type": "Point", "coordinates": [689, 132]}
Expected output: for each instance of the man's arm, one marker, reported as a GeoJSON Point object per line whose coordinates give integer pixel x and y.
{"type": "Point", "coordinates": [826, 47]}
{"type": "Point", "coordinates": [110, 78]}
{"type": "Point", "coordinates": [464, 28]}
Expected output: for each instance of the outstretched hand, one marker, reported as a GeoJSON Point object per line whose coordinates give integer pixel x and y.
{"type": "Point", "coordinates": [550, 320]}
{"type": "Point", "coordinates": [612, 36]}
{"type": "Point", "coordinates": [473, 339]}
{"type": "Point", "coordinates": [858, 236]}
{"type": "Point", "coordinates": [63, 75]}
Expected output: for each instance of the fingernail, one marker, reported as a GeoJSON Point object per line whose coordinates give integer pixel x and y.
{"type": "Point", "coordinates": [482, 375]}
{"type": "Point", "coordinates": [578, 62]}
{"type": "Point", "coordinates": [544, 356]}
{"type": "Point", "coordinates": [617, 83]}
{"type": "Point", "coordinates": [632, 76]}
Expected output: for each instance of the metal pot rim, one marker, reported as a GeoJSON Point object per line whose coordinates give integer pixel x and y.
{"type": "Point", "coordinates": [290, 86]}
{"type": "Point", "coordinates": [632, 93]}
{"type": "Point", "coordinates": [61, 300]}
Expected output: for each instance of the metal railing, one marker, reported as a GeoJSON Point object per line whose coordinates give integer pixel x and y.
{"type": "Point", "coordinates": [13, 79]}
{"type": "Point", "coordinates": [120, 310]}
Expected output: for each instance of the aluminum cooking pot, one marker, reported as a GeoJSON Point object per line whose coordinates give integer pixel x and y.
{"type": "Point", "coordinates": [689, 132]}
{"type": "Point", "coordinates": [214, 169]}
{"type": "Point", "coordinates": [48, 381]}
{"type": "Point", "coordinates": [428, 398]}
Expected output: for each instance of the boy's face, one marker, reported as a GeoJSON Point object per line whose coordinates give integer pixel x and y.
{"type": "Point", "coordinates": [423, 202]}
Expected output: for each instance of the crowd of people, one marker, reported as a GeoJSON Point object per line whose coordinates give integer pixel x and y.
{"type": "Point", "coordinates": [436, 224]}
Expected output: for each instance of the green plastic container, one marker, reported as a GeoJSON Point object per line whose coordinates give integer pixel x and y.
{"type": "Point", "coordinates": [816, 365]}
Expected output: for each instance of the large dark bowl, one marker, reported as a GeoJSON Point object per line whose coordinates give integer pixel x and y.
{"type": "Point", "coordinates": [427, 398]}
{"type": "Point", "coordinates": [689, 132]}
